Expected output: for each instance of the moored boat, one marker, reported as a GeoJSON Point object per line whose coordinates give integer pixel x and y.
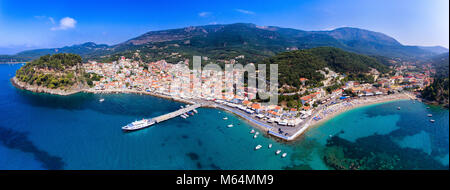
{"type": "Point", "coordinates": [270, 145]}
{"type": "Point", "coordinates": [101, 100]}
{"type": "Point", "coordinates": [258, 147]}
{"type": "Point", "coordinates": [252, 131]}
{"type": "Point", "coordinates": [430, 115]}
{"type": "Point", "coordinates": [230, 125]}
{"type": "Point", "coordinates": [278, 152]}
{"type": "Point", "coordinates": [225, 118]}
{"type": "Point", "coordinates": [136, 125]}
{"type": "Point", "coordinates": [284, 155]}
{"type": "Point", "coordinates": [432, 120]}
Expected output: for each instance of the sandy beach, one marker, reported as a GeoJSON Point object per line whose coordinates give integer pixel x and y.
{"type": "Point", "coordinates": [332, 111]}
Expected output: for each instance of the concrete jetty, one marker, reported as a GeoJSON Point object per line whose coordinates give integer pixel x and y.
{"type": "Point", "coordinates": [177, 113]}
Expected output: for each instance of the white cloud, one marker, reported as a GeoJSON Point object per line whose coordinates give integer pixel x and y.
{"type": "Point", "coordinates": [65, 23]}
{"type": "Point", "coordinates": [51, 20]}
{"type": "Point", "coordinates": [45, 17]}
{"type": "Point", "coordinates": [245, 11]}
{"type": "Point", "coordinates": [204, 14]}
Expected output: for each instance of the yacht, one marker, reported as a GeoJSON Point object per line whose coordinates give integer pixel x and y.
{"type": "Point", "coordinates": [258, 147]}
{"type": "Point", "coordinates": [138, 125]}
{"type": "Point", "coordinates": [195, 111]}
{"type": "Point", "coordinates": [182, 116]}
{"type": "Point", "coordinates": [278, 152]}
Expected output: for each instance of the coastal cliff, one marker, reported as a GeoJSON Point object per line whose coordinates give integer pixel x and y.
{"type": "Point", "coordinates": [60, 74]}
{"type": "Point", "coordinates": [42, 89]}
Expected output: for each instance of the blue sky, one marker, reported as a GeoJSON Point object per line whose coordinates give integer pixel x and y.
{"type": "Point", "coordinates": [39, 24]}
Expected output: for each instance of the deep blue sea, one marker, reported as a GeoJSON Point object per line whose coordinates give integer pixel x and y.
{"type": "Point", "coordinates": [41, 131]}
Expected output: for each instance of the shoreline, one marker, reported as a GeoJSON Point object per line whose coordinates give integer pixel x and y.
{"type": "Point", "coordinates": [359, 104]}
{"type": "Point", "coordinates": [21, 85]}
{"type": "Point", "coordinates": [310, 123]}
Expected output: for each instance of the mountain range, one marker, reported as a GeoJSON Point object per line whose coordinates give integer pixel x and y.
{"type": "Point", "coordinates": [227, 41]}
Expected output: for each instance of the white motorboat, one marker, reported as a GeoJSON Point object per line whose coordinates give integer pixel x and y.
{"type": "Point", "coordinates": [258, 147]}
{"type": "Point", "coordinates": [230, 125]}
{"type": "Point", "coordinates": [101, 100]}
{"type": "Point", "coordinates": [225, 118]}
{"type": "Point", "coordinates": [284, 155]}
{"type": "Point", "coordinates": [430, 115]}
{"type": "Point", "coordinates": [270, 145]}
{"type": "Point", "coordinates": [278, 152]}
{"type": "Point", "coordinates": [252, 131]}
{"type": "Point", "coordinates": [432, 120]}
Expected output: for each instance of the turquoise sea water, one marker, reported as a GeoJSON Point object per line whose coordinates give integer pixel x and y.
{"type": "Point", "coordinates": [41, 131]}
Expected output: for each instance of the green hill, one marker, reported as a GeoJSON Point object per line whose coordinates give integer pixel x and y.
{"type": "Point", "coordinates": [59, 71]}
{"type": "Point", "coordinates": [294, 65]}
{"type": "Point", "coordinates": [226, 41]}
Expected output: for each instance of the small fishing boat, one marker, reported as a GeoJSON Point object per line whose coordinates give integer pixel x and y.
{"type": "Point", "coordinates": [278, 152]}
{"type": "Point", "coordinates": [258, 147]}
{"type": "Point", "coordinates": [430, 115]}
{"type": "Point", "coordinates": [270, 145]}
{"type": "Point", "coordinates": [225, 118]}
{"type": "Point", "coordinates": [252, 131]}
{"type": "Point", "coordinates": [101, 100]}
{"type": "Point", "coordinates": [230, 125]}
{"type": "Point", "coordinates": [284, 155]}
{"type": "Point", "coordinates": [432, 120]}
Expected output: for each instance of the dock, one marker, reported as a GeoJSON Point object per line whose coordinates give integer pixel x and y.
{"type": "Point", "coordinates": [177, 113]}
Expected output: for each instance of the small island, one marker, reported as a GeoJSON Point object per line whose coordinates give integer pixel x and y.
{"type": "Point", "coordinates": [60, 74]}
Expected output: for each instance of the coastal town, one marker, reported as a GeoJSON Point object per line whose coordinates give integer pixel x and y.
{"type": "Point", "coordinates": [282, 120]}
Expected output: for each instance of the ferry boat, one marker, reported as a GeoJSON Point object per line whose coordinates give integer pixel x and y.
{"type": "Point", "coordinates": [278, 152]}
{"type": "Point", "coordinates": [258, 147]}
{"type": "Point", "coordinates": [138, 125]}
{"type": "Point", "coordinates": [284, 155]}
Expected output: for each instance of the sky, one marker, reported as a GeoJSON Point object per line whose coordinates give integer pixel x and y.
{"type": "Point", "coordinates": [49, 24]}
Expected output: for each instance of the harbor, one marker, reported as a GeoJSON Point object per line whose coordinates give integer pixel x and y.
{"type": "Point", "coordinates": [144, 123]}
